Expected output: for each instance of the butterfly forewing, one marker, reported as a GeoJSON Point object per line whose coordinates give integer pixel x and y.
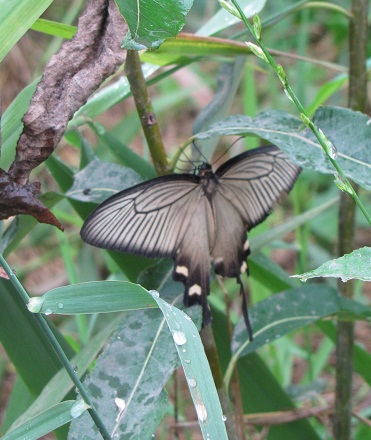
{"type": "Point", "coordinates": [149, 219]}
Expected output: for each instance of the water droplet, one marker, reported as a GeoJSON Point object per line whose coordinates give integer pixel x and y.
{"type": "Point", "coordinates": [187, 317]}
{"type": "Point", "coordinates": [333, 151]}
{"type": "Point", "coordinates": [34, 304]}
{"type": "Point", "coordinates": [187, 361]}
{"type": "Point", "coordinates": [120, 403]}
{"type": "Point", "coordinates": [48, 311]}
{"type": "Point", "coordinates": [179, 337]}
{"type": "Point", "coordinates": [154, 293]}
{"type": "Point", "coordinates": [201, 411]}
{"type": "Point", "coordinates": [192, 382]}
{"type": "Point", "coordinates": [224, 417]}
{"type": "Point", "coordinates": [184, 350]}
{"type": "Point", "coordinates": [60, 305]}
{"type": "Point", "coordinates": [75, 368]}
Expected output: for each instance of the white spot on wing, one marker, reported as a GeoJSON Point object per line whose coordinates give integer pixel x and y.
{"type": "Point", "coordinates": [195, 290]}
{"type": "Point", "coordinates": [243, 267]}
{"type": "Point", "coordinates": [182, 270]}
{"type": "Point", "coordinates": [246, 245]}
{"type": "Point", "coordinates": [218, 260]}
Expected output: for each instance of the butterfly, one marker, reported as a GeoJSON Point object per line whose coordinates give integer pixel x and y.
{"type": "Point", "coordinates": [196, 219]}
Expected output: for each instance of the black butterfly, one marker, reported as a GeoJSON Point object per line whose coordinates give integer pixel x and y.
{"type": "Point", "coordinates": [196, 219]}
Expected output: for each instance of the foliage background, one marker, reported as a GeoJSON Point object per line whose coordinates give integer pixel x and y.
{"type": "Point", "coordinates": [302, 362]}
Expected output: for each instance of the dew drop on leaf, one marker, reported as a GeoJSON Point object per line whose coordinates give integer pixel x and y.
{"type": "Point", "coordinates": [179, 337]}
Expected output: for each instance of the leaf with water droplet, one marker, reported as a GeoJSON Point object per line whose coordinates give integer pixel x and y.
{"type": "Point", "coordinates": [356, 265]}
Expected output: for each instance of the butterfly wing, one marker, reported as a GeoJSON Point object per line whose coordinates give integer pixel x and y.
{"type": "Point", "coordinates": [165, 217]}
{"type": "Point", "coordinates": [248, 186]}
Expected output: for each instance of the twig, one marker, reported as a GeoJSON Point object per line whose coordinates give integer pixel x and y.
{"type": "Point", "coordinates": [357, 96]}
{"type": "Point", "coordinates": [145, 110]}
{"type": "Point", "coordinates": [262, 52]}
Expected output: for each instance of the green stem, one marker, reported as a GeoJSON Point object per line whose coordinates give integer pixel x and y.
{"type": "Point", "coordinates": [357, 97]}
{"type": "Point", "coordinates": [41, 320]}
{"type": "Point", "coordinates": [145, 110]}
{"type": "Point", "coordinates": [347, 187]}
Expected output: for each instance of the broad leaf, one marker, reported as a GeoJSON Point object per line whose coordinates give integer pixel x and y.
{"type": "Point", "coordinates": [100, 180]}
{"type": "Point", "coordinates": [45, 422]}
{"type": "Point", "coordinates": [196, 369]}
{"type": "Point", "coordinates": [134, 368]}
{"type": "Point", "coordinates": [348, 130]}
{"type": "Point", "coordinates": [93, 297]}
{"type": "Point", "coordinates": [151, 22]}
{"type": "Point", "coordinates": [355, 265]}
{"type": "Point", "coordinates": [16, 17]}
{"type": "Point", "coordinates": [289, 310]}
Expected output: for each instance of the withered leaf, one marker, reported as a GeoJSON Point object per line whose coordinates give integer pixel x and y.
{"type": "Point", "coordinates": [70, 77]}
{"type": "Point", "coordinates": [22, 199]}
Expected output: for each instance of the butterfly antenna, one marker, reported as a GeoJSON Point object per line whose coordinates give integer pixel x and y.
{"type": "Point", "coordinates": [245, 312]}
{"type": "Point", "coordinates": [200, 152]}
{"type": "Point", "coordinates": [226, 151]}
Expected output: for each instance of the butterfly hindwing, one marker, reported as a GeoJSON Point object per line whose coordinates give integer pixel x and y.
{"type": "Point", "coordinates": [255, 180]}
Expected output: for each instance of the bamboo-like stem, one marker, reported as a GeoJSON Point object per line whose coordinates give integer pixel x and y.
{"type": "Point", "coordinates": [146, 114]}
{"type": "Point", "coordinates": [41, 320]}
{"type": "Point", "coordinates": [357, 100]}
{"type": "Point", "coordinates": [262, 52]}
{"type": "Point", "coordinates": [209, 344]}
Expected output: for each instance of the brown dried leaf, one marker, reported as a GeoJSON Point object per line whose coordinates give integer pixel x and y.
{"type": "Point", "coordinates": [22, 199]}
{"type": "Point", "coordinates": [70, 77]}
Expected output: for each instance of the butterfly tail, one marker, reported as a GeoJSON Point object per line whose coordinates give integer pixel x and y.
{"type": "Point", "coordinates": [245, 311]}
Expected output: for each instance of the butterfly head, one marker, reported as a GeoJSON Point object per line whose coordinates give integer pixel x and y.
{"type": "Point", "coordinates": [204, 170]}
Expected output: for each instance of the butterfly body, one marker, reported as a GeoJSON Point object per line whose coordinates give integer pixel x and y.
{"type": "Point", "coordinates": [196, 219]}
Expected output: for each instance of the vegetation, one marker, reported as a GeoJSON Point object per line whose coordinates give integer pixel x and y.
{"type": "Point", "coordinates": [102, 349]}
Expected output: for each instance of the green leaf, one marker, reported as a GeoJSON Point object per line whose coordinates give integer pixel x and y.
{"type": "Point", "coordinates": [289, 310]}
{"type": "Point", "coordinates": [256, 379]}
{"type": "Point", "coordinates": [134, 367]}
{"type": "Point", "coordinates": [187, 46]}
{"type": "Point", "coordinates": [289, 225]}
{"type": "Point", "coordinates": [150, 22]}
{"type": "Point", "coordinates": [12, 125]}
{"type": "Point", "coordinates": [196, 369]}
{"type": "Point", "coordinates": [16, 17]}
{"type": "Point", "coordinates": [93, 297]}
{"type": "Point", "coordinates": [58, 387]}
{"type": "Point", "coordinates": [223, 19]}
{"type": "Point", "coordinates": [125, 154]}
{"type": "Point", "coordinates": [54, 28]}
{"type": "Point", "coordinates": [45, 422]}
{"type": "Point", "coordinates": [355, 265]}
{"type": "Point", "coordinates": [100, 180]}
{"type": "Point", "coordinates": [348, 130]}
{"type": "Point", "coordinates": [25, 343]}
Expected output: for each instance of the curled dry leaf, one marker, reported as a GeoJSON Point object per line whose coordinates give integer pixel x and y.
{"type": "Point", "coordinates": [70, 77]}
{"type": "Point", "coordinates": [22, 199]}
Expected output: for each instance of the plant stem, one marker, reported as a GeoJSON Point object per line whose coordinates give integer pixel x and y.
{"type": "Point", "coordinates": [357, 98]}
{"type": "Point", "coordinates": [264, 54]}
{"type": "Point", "coordinates": [145, 110]}
{"type": "Point", "coordinates": [41, 320]}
